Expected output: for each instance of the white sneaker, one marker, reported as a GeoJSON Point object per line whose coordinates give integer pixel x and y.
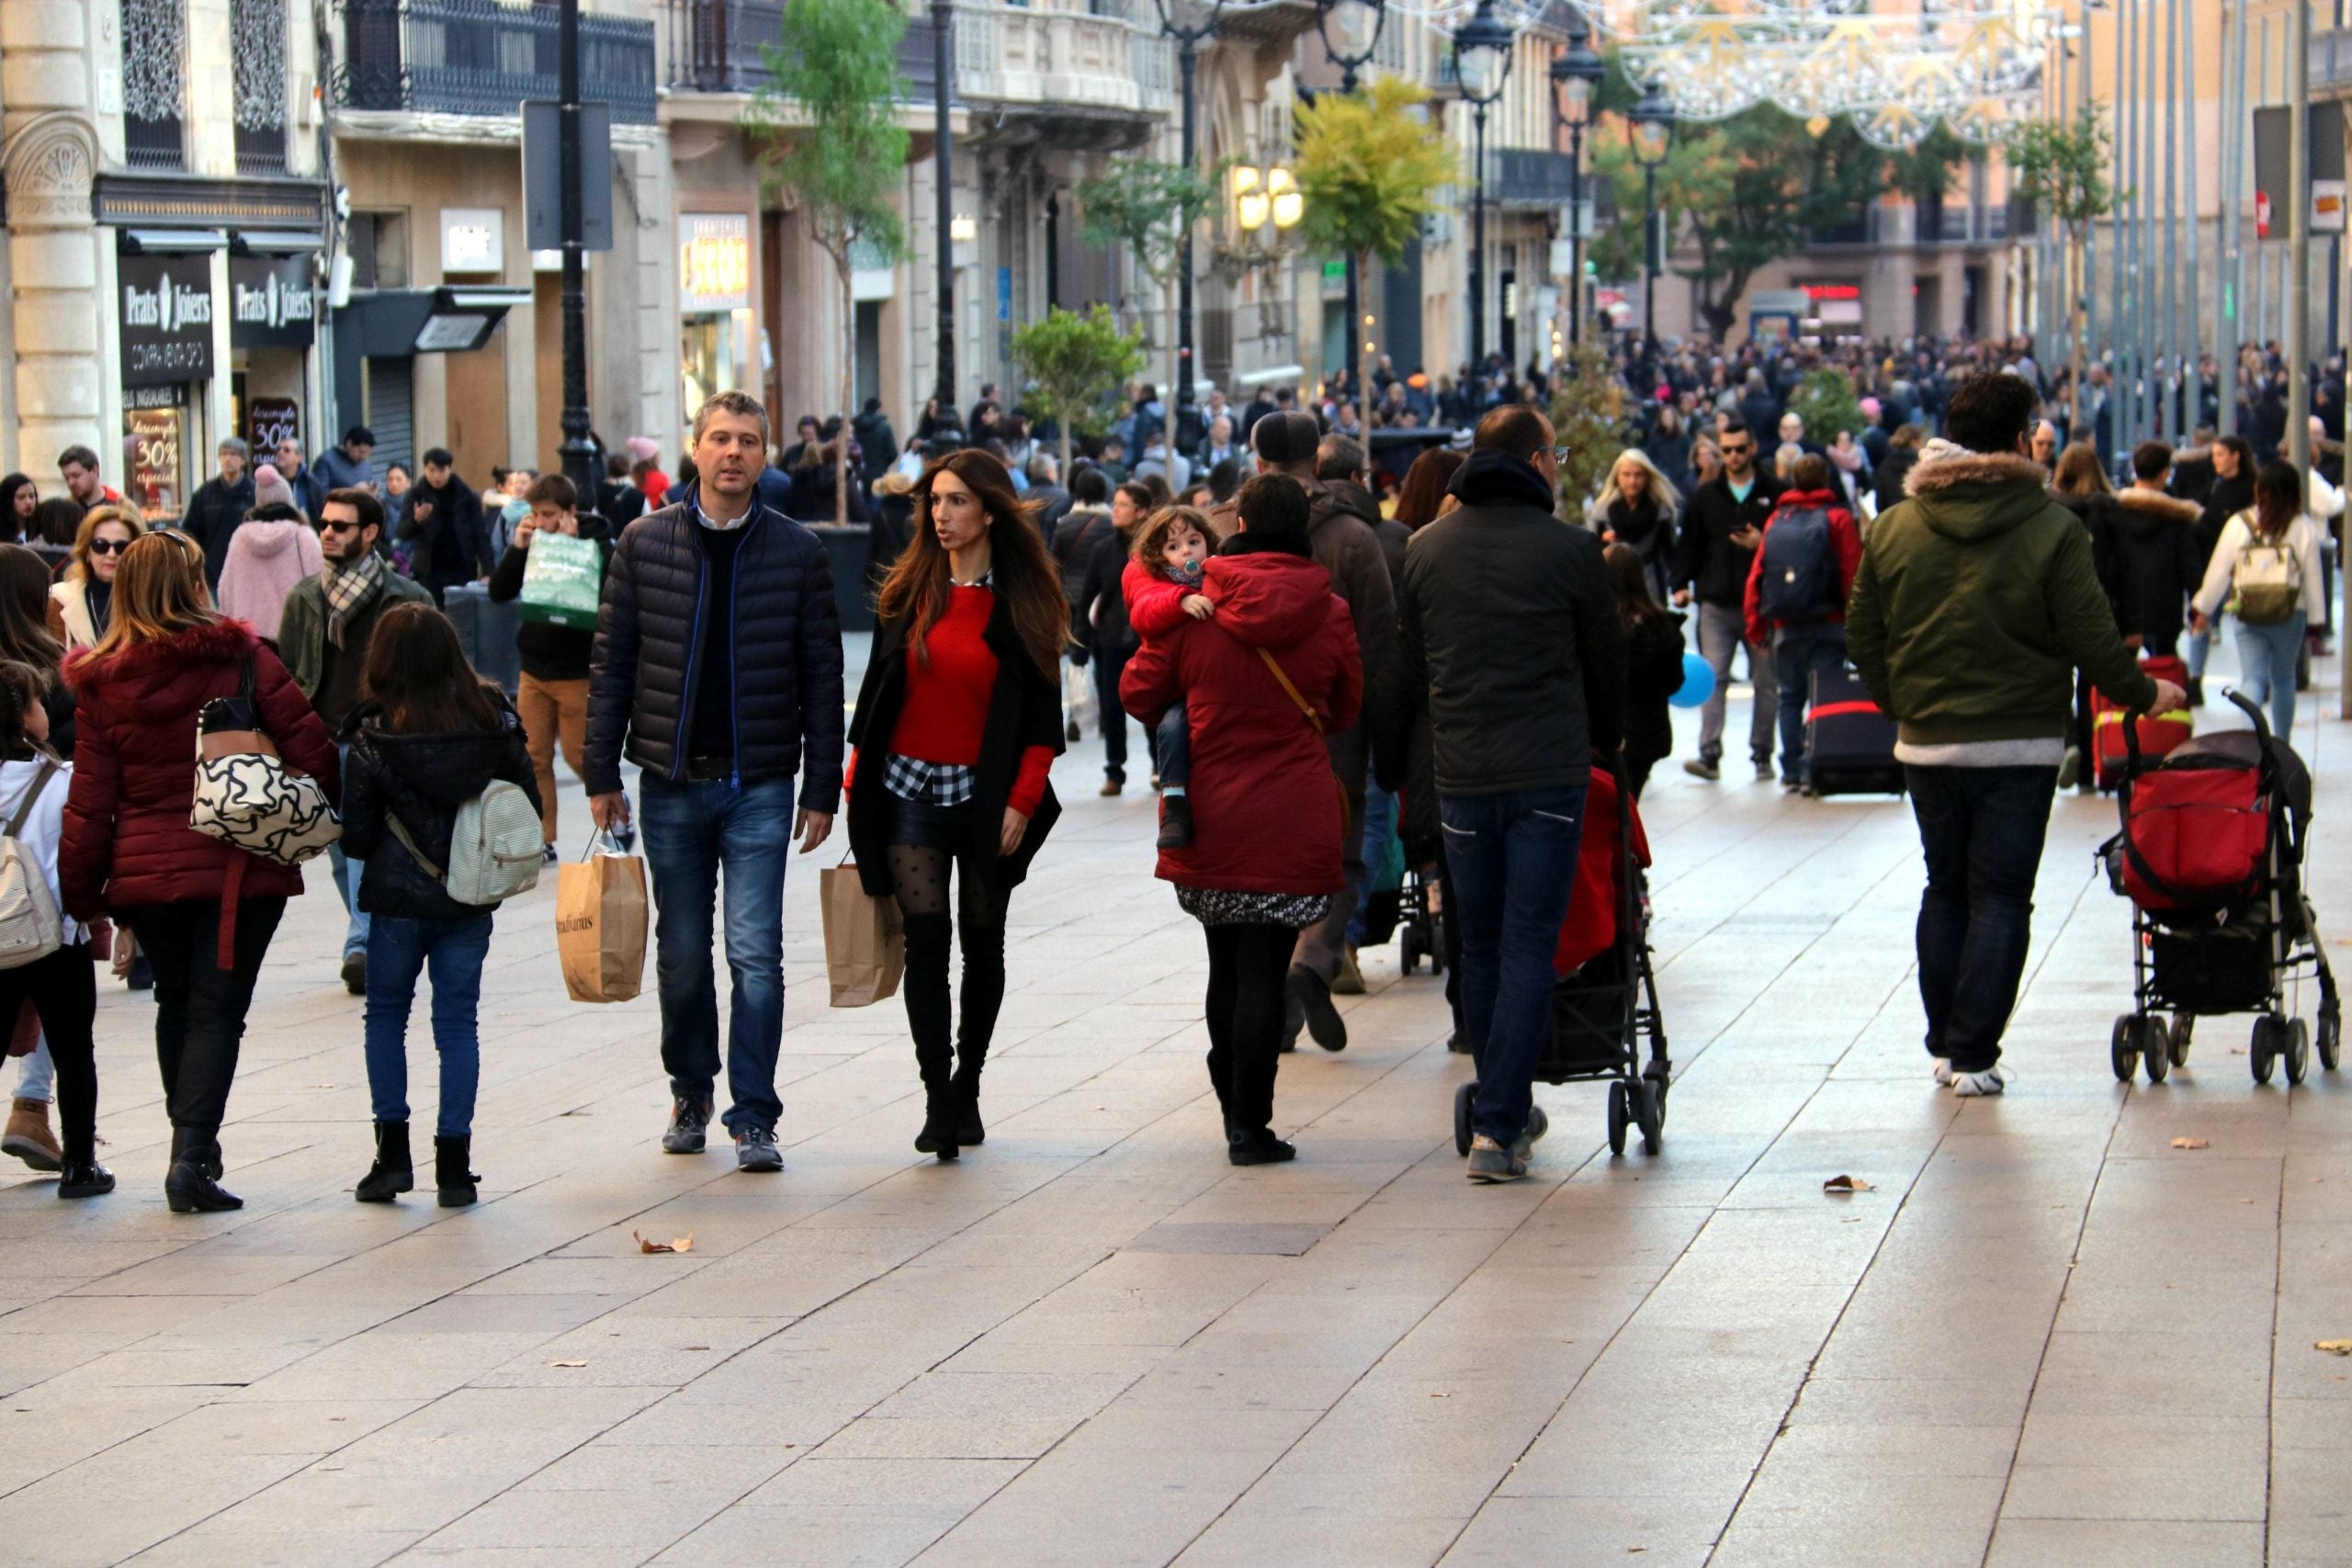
{"type": "Point", "coordinates": [1992, 1080]}
{"type": "Point", "coordinates": [1943, 1070]}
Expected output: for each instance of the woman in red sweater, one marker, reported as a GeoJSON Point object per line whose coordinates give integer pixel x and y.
{"type": "Point", "coordinates": [962, 710]}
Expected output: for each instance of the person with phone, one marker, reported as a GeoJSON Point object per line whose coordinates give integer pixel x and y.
{"type": "Point", "coordinates": [1720, 525]}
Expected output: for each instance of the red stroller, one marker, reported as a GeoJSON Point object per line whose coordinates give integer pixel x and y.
{"type": "Point", "coordinates": [1604, 1003]}
{"type": "Point", "coordinates": [2210, 856]}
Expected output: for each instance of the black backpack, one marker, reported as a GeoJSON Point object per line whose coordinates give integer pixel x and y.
{"type": "Point", "coordinates": [1800, 577]}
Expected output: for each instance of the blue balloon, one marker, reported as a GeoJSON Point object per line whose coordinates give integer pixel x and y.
{"type": "Point", "coordinates": [1698, 682]}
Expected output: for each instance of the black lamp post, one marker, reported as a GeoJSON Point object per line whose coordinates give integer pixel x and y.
{"type": "Point", "coordinates": [1357, 24]}
{"type": "Point", "coordinates": [1649, 127]}
{"type": "Point", "coordinates": [1188, 55]}
{"type": "Point", "coordinates": [1576, 72]}
{"type": "Point", "coordinates": [577, 452]}
{"type": "Point", "coordinates": [942, 66]}
{"type": "Point", "coordinates": [1482, 48]}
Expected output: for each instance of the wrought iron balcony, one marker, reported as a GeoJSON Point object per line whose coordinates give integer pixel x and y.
{"type": "Point", "coordinates": [483, 57]}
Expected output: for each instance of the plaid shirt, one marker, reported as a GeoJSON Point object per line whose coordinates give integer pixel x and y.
{"type": "Point", "coordinates": [935, 784]}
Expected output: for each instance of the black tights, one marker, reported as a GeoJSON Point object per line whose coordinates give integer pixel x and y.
{"type": "Point", "coordinates": [1248, 967]}
{"type": "Point", "coordinates": [919, 878]}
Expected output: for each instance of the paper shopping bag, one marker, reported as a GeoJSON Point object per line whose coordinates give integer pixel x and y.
{"type": "Point", "coordinates": [562, 578]}
{"type": "Point", "coordinates": [600, 908]}
{"type": "Point", "coordinates": [865, 949]}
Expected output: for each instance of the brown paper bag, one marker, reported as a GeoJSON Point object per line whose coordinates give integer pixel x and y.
{"type": "Point", "coordinates": [600, 908]}
{"type": "Point", "coordinates": [865, 948]}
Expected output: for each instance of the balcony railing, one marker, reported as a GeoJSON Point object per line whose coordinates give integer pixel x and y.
{"type": "Point", "coordinates": [714, 47]}
{"type": "Point", "coordinates": [483, 57]}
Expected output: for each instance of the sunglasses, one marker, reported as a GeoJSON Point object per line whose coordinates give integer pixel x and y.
{"type": "Point", "coordinates": [337, 524]}
{"type": "Point", "coordinates": [1730, 451]}
{"type": "Point", "coordinates": [109, 546]}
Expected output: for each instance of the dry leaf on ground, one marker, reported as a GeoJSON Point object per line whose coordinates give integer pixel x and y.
{"type": "Point", "coordinates": [1845, 1184]}
{"type": "Point", "coordinates": [567, 1364]}
{"type": "Point", "coordinates": [2335, 1346]}
{"type": "Point", "coordinates": [2192, 1143]}
{"type": "Point", "coordinates": [675, 1243]}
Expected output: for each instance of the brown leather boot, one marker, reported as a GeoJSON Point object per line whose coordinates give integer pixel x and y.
{"type": "Point", "coordinates": [28, 1137]}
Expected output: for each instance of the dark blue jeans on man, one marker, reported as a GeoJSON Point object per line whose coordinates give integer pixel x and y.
{"type": "Point", "coordinates": [1982, 829]}
{"type": "Point", "coordinates": [1512, 859]}
{"type": "Point", "coordinates": [1798, 654]}
{"type": "Point", "coordinates": [692, 830]}
{"type": "Point", "coordinates": [452, 952]}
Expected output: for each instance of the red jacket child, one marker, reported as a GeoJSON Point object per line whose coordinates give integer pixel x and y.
{"type": "Point", "coordinates": [1845, 538]}
{"type": "Point", "coordinates": [1155, 600]}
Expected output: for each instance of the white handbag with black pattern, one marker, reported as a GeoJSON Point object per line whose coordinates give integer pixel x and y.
{"type": "Point", "coordinates": [246, 795]}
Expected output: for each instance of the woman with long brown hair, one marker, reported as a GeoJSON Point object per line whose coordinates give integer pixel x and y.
{"type": "Point", "coordinates": [1423, 491]}
{"type": "Point", "coordinates": [203, 910]}
{"type": "Point", "coordinates": [2266, 567]}
{"type": "Point", "coordinates": [84, 597]}
{"type": "Point", "coordinates": [958, 724]}
{"type": "Point", "coordinates": [27, 640]}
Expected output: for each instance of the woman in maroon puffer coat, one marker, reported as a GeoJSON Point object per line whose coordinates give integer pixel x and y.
{"type": "Point", "coordinates": [1267, 813]}
{"type": "Point", "coordinates": [203, 912]}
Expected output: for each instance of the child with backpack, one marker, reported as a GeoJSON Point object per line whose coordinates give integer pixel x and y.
{"type": "Point", "coordinates": [2265, 568]}
{"type": "Point", "coordinates": [440, 802]}
{"type": "Point", "coordinates": [45, 954]}
{"type": "Point", "coordinates": [1797, 587]}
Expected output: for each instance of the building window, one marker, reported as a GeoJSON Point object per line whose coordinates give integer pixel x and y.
{"type": "Point", "coordinates": [257, 44]}
{"type": "Point", "coordinates": [377, 245]}
{"type": "Point", "coordinates": [154, 82]}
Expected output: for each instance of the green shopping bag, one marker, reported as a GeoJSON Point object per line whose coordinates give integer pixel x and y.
{"type": "Point", "coordinates": [562, 576]}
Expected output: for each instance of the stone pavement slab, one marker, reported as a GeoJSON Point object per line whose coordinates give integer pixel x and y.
{"type": "Point", "coordinates": [2042, 1335]}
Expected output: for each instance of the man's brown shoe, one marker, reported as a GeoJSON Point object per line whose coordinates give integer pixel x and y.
{"type": "Point", "coordinates": [28, 1137]}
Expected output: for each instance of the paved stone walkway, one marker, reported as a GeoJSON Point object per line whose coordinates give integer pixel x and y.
{"type": "Point", "coordinates": [2043, 1336]}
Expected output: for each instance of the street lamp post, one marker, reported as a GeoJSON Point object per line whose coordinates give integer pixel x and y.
{"type": "Point", "coordinates": [1649, 127]}
{"type": "Point", "coordinates": [1576, 71]}
{"type": "Point", "coordinates": [1482, 50]}
{"type": "Point", "coordinates": [1357, 24]}
{"type": "Point", "coordinates": [942, 62]}
{"type": "Point", "coordinates": [577, 452]}
{"type": "Point", "coordinates": [1188, 46]}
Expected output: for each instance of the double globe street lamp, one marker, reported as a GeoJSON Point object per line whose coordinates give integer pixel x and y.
{"type": "Point", "coordinates": [1482, 51]}
{"type": "Point", "coordinates": [1188, 38]}
{"type": "Point", "coordinates": [1650, 128]}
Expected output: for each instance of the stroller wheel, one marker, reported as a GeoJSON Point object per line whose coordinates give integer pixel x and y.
{"type": "Point", "coordinates": [2182, 1022]}
{"type": "Point", "coordinates": [1463, 1097]}
{"type": "Point", "coordinates": [1619, 1113]}
{"type": "Point", "coordinates": [2123, 1047]}
{"type": "Point", "coordinates": [2155, 1047]}
{"type": "Point", "coordinates": [2331, 1036]}
{"type": "Point", "coordinates": [2299, 1050]}
{"type": "Point", "coordinates": [1408, 951]}
{"type": "Point", "coordinates": [1649, 1111]}
{"type": "Point", "coordinates": [2262, 1047]}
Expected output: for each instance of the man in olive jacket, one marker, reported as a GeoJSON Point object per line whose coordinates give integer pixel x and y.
{"type": "Point", "coordinates": [1976, 603]}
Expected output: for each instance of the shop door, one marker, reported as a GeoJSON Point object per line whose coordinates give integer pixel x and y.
{"type": "Point", "coordinates": [389, 389]}
{"type": "Point", "coordinates": [476, 402]}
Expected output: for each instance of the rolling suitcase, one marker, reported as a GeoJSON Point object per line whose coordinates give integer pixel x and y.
{"type": "Point", "coordinates": [1849, 745]}
{"type": "Point", "coordinates": [2159, 732]}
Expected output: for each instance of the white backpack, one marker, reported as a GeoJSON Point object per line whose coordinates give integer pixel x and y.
{"type": "Point", "coordinates": [30, 927]}
{"type": "Point", "coordinates": [494, 847]}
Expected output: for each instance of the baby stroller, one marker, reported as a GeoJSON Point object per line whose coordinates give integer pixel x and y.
{"type": "Point", "coordinates": [1604, 1002]}
{"type": "Point", "coordinates": [2210, 856]}
{"type": "Point", "coordinates": [1419, 911]}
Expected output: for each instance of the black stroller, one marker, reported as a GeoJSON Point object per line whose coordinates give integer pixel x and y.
{"type": "Point", "coordinates": [1418, 912]}
{"type": "Point", "coordinates": [1605, 1003]}
{"type": "Point", "coordinates": [2211, 856]}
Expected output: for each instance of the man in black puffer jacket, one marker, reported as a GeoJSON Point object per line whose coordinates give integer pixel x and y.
{"type": "Point", "coordinates": [718, 670]}
{"type": "Point", "coordinates": [1510, 635]}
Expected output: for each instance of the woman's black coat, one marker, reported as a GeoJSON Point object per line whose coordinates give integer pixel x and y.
{"type": "Point", "coordinates": [1025, 710]}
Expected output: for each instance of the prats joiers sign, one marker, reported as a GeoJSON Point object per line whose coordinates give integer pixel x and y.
{"type": "Point", "coordinates": [166, 320]}
{"type": "Point", "coordinates": [270, 304]}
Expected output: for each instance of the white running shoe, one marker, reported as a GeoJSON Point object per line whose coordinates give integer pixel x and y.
{"type": "Point", "coordinates": [1968, 1086]}
{"type": "Point", "coordinates": [1943, 1070]}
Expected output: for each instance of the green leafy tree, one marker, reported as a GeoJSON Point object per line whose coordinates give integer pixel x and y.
{"type": "Point", "coordinates": [1588, 421]}
{"type": "Point", "coordinates": [828, 122]}
{"type": "Point", "coordinates": [1370, 164]}
{"type": "Point", "coordinates": [1074, 363]}
{"type": "Point", "coordinates": [2062, 169]}
{"type": "Point", "coordinates": [1149, 208]}
{"type": "Point", "coordinates": [1825, 401]}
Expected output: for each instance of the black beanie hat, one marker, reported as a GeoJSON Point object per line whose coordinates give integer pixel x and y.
{"type": "Point", "coordinates": [1285, 437]}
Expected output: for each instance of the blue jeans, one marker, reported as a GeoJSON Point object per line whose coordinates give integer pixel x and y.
{"type": "Point", "coordinates": [348, 873]}
{"type": "Point", "coordinates": [1981, 831]}
{"type": "Point", "coordinates": [2200, 645]}
{"type": "Point", "coordinates": [2267, 669]}
{"type": "Point", "coordinates": [453, 951]}
{"type": "Point", "coordinates": [692, 830]}
{"type": "Point", "coordinates": [1798, 653]}
{"type": "Point", "coordinates": [1379, 826]}
{"type": "Point", "coordinates": [1171, 748]}
{"type": "Point", "coordinates": [1512, 859]}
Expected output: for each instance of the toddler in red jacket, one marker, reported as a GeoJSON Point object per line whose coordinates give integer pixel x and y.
{"type": "Point", "coordinates": [1162, 585]}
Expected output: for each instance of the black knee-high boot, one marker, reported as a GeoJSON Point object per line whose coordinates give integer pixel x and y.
{"type": "Point", "coordinates": [983, 998]}
{"type": "Point", "coordinates": [929, 1019]}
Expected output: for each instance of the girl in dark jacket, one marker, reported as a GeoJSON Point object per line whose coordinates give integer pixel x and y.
{"type": "Point", "coordinates": [203, 910]}
{"type": "Point", "coordinates": [1653, 664]}
{"type": "Point", "coordinates": [957, 724]}
{"type": "Point", "coordinates": [1265, 855]}
{"type": "Point", "coordinates": [428, 737]}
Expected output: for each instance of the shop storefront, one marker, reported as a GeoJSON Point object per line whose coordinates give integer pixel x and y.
{"type": "Point", "coordinates": [167, 365]}
{"type": "Point", "coordinates": [273, 320]}
{"type": "Point", "coordinates": [715, 318]}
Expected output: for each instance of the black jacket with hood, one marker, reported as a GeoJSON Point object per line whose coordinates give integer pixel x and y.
{"type": "Point", "coordinates": [421, 779]}
{"type": "Point", "coordinates": [2151, 559]}
{"type": "Point", "coordinates": [1511, 638]}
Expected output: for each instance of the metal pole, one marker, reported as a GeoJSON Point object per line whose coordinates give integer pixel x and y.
{"type": "Point", "coordinates": [2192, 319]}
{"type": "Point", "coordinates": [578, 455]}
{"type": "Point", "coordinates": [1649, 272]}
{"type": "Point", "coordinates": [2299, 242]}
{"type": "Point", "coordinates": [2083, 290]}
{"type": "Point", "coordinates": [1181, 426]}
{"type": "Point", "coordinates": [2118, 436]}
{"type": "Point", "coordinates": [1576, 236]}
{"type": "Point", "coordinates": [2229, 275]}
{"type": "Point", "coordinates": [2261, 316]}
{"type": "Point", "coordinates": [2168, 420]}
{"type": "Point", "coordinates": [1478, 240]}
{"type": "Point", "coordinates": [942, 66]}
{"type": "Point", "coordinates": [2151, 334]}
{"type": "Point", "coordinates": [2128, 432]}
{"type": "Point", "coordinates": [1354, 360]}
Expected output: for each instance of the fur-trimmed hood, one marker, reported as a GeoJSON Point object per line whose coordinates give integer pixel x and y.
{"type": "Point", "coordinates": [2154, 505]}
{"type": "Point", "coordinates": [1974, 496]}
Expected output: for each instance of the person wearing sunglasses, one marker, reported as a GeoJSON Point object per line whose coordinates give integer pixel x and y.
{"type": "Point", "coordinates": [1722, 523]}
{"type": "Point", "coordinates": [85, 596]}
